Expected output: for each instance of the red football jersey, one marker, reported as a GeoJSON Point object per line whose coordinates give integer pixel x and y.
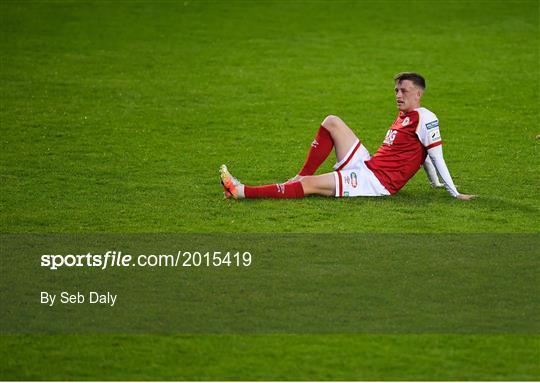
{"type": "Point", "coordinates": [404, 148]}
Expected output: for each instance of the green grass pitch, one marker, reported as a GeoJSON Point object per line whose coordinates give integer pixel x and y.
{"type": "Point", "coordinates": [115, 117]}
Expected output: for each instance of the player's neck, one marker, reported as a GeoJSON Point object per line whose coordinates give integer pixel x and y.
{"type": "Point", "coordinates": [409, 110]}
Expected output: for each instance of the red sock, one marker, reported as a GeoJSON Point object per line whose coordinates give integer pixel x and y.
{"type": "Point", "coordinates": [320, 149]}
{"type": "Point", "coordinates": [290, 190]}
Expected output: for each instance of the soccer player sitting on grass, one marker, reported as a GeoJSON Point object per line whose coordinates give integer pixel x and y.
{"type": "Point", "coordinates": [413, 140]}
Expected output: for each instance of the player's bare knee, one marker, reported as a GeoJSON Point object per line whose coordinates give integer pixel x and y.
{"type": "Point", "coordinates": [332, 122]}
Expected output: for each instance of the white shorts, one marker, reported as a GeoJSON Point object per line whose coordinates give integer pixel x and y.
{"type": "Point", "coordinates": [353, 178]}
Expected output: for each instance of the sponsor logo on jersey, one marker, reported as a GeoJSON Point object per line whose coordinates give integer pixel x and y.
{"type": "Point", "coordinates": [436, 135]}
{"type": "Point", "coordinates": [390, 137]}
{"type": "Point", "coordinates": [432, 124]}
{"type": "Point", "coordinates": [406, 121]}
{"type": "Point", "coordinates": [354, 180]}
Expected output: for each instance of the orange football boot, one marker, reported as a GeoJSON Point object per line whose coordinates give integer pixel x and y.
{"type": "Point", "coordinates": [229, 183]}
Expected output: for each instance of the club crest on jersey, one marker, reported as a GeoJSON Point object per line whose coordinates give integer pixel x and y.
{"type": "Point", "coordinates": [432, 124]}
{"type": "Point", "coordinates": [354, 180]}
{"type": "Point", "coordinates": [406, 121]}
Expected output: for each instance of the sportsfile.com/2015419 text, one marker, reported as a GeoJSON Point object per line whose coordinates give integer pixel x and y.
{"type": "Point", "coordinates": [113, 258]}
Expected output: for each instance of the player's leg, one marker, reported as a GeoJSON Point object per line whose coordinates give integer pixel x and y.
{"type": "Point", "coordinates": [333, 133]}
{"type": "Point", "coordinates": [343, 137]}
{"type": "Point", "coordinates": [321, 185]}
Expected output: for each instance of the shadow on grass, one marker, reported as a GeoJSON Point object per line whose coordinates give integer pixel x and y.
{"type": "Point", "coordinates": [480, 201]}
{"type": "Point", "coordinates": [416, 198]}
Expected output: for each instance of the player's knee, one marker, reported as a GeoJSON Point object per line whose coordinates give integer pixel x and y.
{"type": "Point", "coordinates": [332, 122]}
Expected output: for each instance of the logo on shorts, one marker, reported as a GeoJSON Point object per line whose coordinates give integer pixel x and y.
{"type": "Point", "coordinates": [354, 180]}
{"type": "Point", "coordinates": [347, 180]}
{"type": "Point", "coordinates": [406, 121]}
{"type": "Point", "coordinates": [345, 194]}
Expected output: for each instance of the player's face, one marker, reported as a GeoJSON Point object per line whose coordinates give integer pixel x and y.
{"type": "Point", "coordinates": [407, 95]}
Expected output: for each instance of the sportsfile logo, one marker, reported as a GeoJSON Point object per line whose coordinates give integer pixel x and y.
{"type": "Point", "coordinates": [114, 258]}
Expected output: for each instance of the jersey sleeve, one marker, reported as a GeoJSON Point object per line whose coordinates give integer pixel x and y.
{"type": "Point", "coordinates": [428, 130]}
{"type": "Point", "coordinates": [436, 155]}
{"type": "Point", "coordinates": [431, 172]}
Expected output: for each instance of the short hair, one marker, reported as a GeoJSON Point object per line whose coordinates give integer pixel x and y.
{"type": "Point", "coordinates": [416, 79]}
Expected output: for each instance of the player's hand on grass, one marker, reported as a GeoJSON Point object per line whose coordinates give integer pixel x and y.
{"type": "Point", "coordinates": [465, 197]}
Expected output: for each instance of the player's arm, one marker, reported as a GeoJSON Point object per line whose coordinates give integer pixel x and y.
{"type": "Point", "coordinates": [430, 136]}
{"type": "Point", "coordinates": [431, 173]}
{"type": "Point", "coordinates": [436, 156]}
